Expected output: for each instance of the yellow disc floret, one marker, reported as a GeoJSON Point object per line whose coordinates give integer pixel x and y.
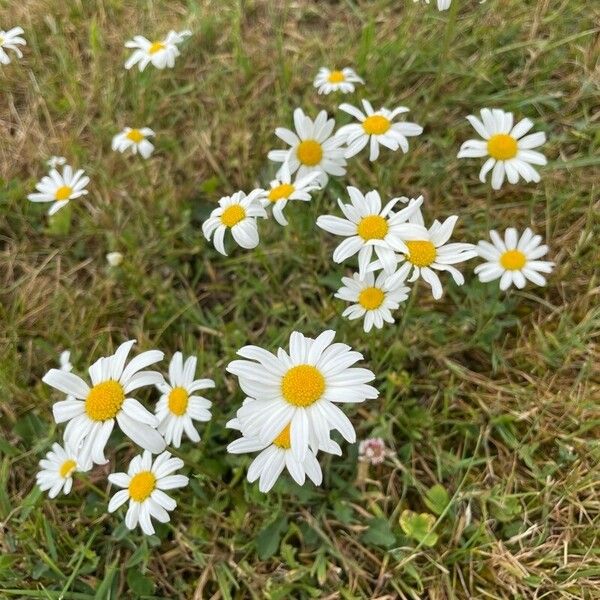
{"type": "Point", "coordinates": [502, 146]}
{"type": "Point", "coordinates": [302, 385]}
{"type": "Point", "coordinates": [421, 253]}
{"type": "Point", "coordinates": [283, 190]}
{"type": "Point", "coordinates": [63, 193]}
{"type": "Point", "coordinates": [336, 77]}
{"type": "Point", "coordinates": [67, 468]}
{"type": "Point", "coordinates": [376, 125]}
{"type": "Point", "coordinates": [135, 135]}
{"type": "Point", "coordinates": [233, 214]}
{"type": "Point", "coordinates": [513, 260]}
{"type": "Point", "coordinates": [156, 47]}
{"type": "Point", "coordinates": [178, 401]}
{"type": "Point", "coordinates": [104, 400]}
{"type": "Point", "coordinates": [373, 227]}
{"type": "Point", "coordinates": [309, 152]}
{"type": "Point", "coordinates": [371, 298]}
{"type": "Point", "coordinates": [142, 485]}
{"type": "Point", "coordinates": [283, 439]}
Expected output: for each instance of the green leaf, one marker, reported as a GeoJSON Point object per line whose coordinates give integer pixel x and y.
{"type": "Point", "coordinates": [267, 541]}
{"type": "Point", "coordinates": [379, 533]}
{"type": "Point", "coordinates": [419, 527]}
{"type": "Point", "coordinates": [138, 583]}
{"type": "Point", "coordinates": [437, 499]}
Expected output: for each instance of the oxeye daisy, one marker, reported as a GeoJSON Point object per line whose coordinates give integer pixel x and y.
{"type": "Point", "coordinates": [144, 486]}
{"type": "Point", "coordinates": [161, 53]}
{"type": "Point", "coordinates": [114, 259]}
{"type": "Point", "coordinates": [344, 81]}
{"type": "Point", "coordinates": [368, 227]}
{"type": "Point", "coordinates": [378, 128]}
{"type": "Point", "coordinates": [57, 468]}
{"type": "Point", "coordinates": [11, 40]}
{"type": "Point", "coordinates": [508, 148]}
{"type": "Point", "coordinates": [65, 361]}
{"type": "Point", "coordinates": [56, 161]}
{"type": "Point", "coordinates": [441, 4]}
{"type": "Point", "coordinates": [238, 213]}
{"type": "Point", "coordinates": [59, 189]}
{"type": "Point", "coordinates": [91, 411]}
{"type": "Point", "coordinates": [135, 140]}
{"type": "Point", "coordinates": [300, 389]}
{"type": "Point", "coordinates": [513, 260]}
{"type": "Point", "coordinates": [373, 299]}
{"type": "Point", "coordinates": [313, 147]}
{"type": "Point", "coordinates": [178, 406]}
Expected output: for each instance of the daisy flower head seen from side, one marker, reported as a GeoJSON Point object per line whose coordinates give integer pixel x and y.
{"type": "Point", "coordinates": [373, 298]}
{"type": "Point", "coordinates": [135, 140]}
{"type": "Point", "coordinates": [313, 147]}
{"type": "Point", "coordinates": [161, 53]}
{"type": "Point", "coordinates": [301, 388]}
{"type": "Point", "coordinates": [60, 188]}
{"type": "Point", "coordinates": [145, 485]}
{"type": "Point", "coordinates": [344, 80]}
{"type": "Point", "coordinates": [11, 40]}
{"type": "Point", "coordinates": [510, 152]}
{"type": "Point", "coordinates": [90, 412]}
{"type": "Point", "coordinates": [370, 228]}
{"type": "Point", "coordinates": [57, 469]}
{"type": "Point", "coordinates": [179, 406]}
{"type": "Point", "coordinates": [513, 259]}
{"type": "Point", "coordinates": [375, 128]}
{"type": "Point", "coordinates": [237, 213]}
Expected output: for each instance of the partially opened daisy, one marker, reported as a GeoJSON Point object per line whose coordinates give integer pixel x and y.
{"type": "Point", "coordinates": [161, 53]}
{"type": "Point", "coordinates": [367, 228]}
{"type": "Point", "coordinates": [513, 259]}
{"type": "Point", "coordinates": [135, 140]}
{"type": "Point", "coordinates": [57, 468]}
{"type": "Point", "coordinates": [144, 486]}
{"type": "Point", "coordinates": [373, 299]}
{"type": "Point", "coordinates": [376, 127]}
{"type": "Point", "coordinates": [179, 406]}
{"type": "Point", "coordinates": [91, 411]}
{"type": "Point", "coordinates": [11, 40]}
{"type": "Point", "coordinates": [237, 213]}
{"type": "Point", "coordinates": [313, 147]}
{"type": "Point", "coordinates": [302, 389]}
{"type": "Point", "coordinates": [344, 81]}
{"type": "Point", "coordinates": [60, 189]}
{"type": "Point", "coordinates": [508, 148]}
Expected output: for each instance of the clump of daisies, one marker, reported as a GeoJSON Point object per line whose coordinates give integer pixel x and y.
{"type": "Point", "coordinates": [161, 53]}
{"type": "Point", "coordinates": [344, 80]}
{"type": "Point", "coordinates": [11, 40]}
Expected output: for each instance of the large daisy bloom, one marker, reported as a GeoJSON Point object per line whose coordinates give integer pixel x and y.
{"type": "Point", "coordinates": [376, 127]}
{"type": "Point", "coordinates": [238, 213]}
{"type": "Point", "coordinates": [57, 468]}
{"type": "Point", "coordinates": [179, 406]}
{"type": "Point", "coordinates": [161, 53]}
{"type": "Point", "coordinates": [313, 147]}
{"type": "Point", "coordinates": [513, 259]}
{"type": "Point", "coordinates": [282, 190]}
{"type": "Point", "coordinates": [11, 40]}
{"type": "Point", "coordinates": [367, 228]}
{"type": "Point", "coordinates": [135, 140]}
{"type": "Point", "coordinates": [508, 148]}
{"type": "Point", "coordinates": [373, 299]}
{"type": "Point", "coordinates": [344, 81]}
{"type": "Point", "coordinates": [59, 189]}
{"type": "Point", "coordinates": [91, 411]}
{"type": "Point", "coordinates": [300, 388]}
{"type": "Point", "coordinates": [144, 486]}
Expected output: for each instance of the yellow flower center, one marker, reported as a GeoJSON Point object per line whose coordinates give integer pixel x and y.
{"type": "Point", "coordinates": [104, 400]}
{"type": "Point", "coordinates": [502, 146]}
{"type": "Point", "coordinates": [310, 152]}
{"type": "Point", "coordinates": [178, 401]}
{"type": "Point", "coordinates": [135, 135]}
{"type": "Point", "coordinates": [156, 47]}
{"type": "Point", "coordinates": [373, 227]}
{"type": "Point", "coordinates": [63, 193]}
{"type": "Point", "coordinates": [142, 485]}
{"type": "Point", "coordinates": [303, 385]}
{"type": "Point", "coordinates": [283, 439]}
{"type": "Point", "coordinates": [67, 468]}
{"type": "Point", "coordinates": [376, 125]}
{"type": "Point", "coordinates": [336, 77]}
{"type": "Point", "coordinates": [513, 260]}
{"type": "Point", "coordinates": [421, 253]}
{"type": "Point", "coordinates": [232, 215]}
{"type": "Point", "coordinates": [284, 190]}
{"type": "Point", "coordinates": [371, 298]}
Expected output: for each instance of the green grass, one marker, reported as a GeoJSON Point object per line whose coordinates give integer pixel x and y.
{"type": "Point", "coordinates": [491, 396]}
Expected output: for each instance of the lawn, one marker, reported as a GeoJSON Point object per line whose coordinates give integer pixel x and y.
{"type": "Point", "coordinates": [488, 400]}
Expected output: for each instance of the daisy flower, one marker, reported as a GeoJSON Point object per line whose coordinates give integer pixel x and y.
{"type": "Point", "coordinates": [328, 81]}
{"type": "Point", "coordinates": [300, 389]}
{"type": "Point", "coordinates": [237, 213]}
{"type": "Point", "coordinates": [282, 190]}
{"type": "Point", "coordinates": [373, 299]}
{"type": "Point", "coordinates": [161, 53]}
{"type": "Point", "coordinates": [11, 40]}
{"type": "Point", "coordinates": [144, 486]}
{"type": "Point", "coordinates": [368, 227]}
{"type": "Point", "coordinates": [372, 450]}
{"type": "Point", "coordinates": [56, 161]}
{"type": "Point", "coordinates": [178, 406]}
{"type": "Point", "coordinates": [65, 361]}
{"type": "Point", "coordinates": [59, 189]}
{"type": "Point", "coordinates": [313, 147]}
{"type": "Point", "coordinates": [378, 128]}
{"type": "Point", "coordinates": [56, 470]}
{"type": "Point", "coordinates": [441, 4]}
{"type": "Point", "coordinates": [508, 148]}
{"type": "Point", "coordinates": [135, 140]}
{"type": "Point", "coordinates": [114, 259]}
{"type": "Point", "coordinates": [514, 259]}
{"type": "Point", "coordinates": [91, 411]}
